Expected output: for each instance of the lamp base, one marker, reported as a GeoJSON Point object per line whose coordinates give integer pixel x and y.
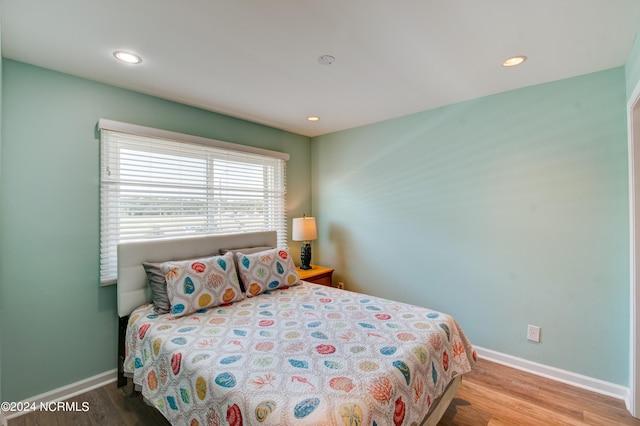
{"type": "Point", "coordinates": [305, 256]}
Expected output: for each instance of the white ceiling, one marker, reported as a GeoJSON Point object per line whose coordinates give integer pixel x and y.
{"type": "Point", "coordinates": [258, 59]}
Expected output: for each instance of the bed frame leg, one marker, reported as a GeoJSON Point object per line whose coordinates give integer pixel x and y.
{"type": "Point", "coordinates": [122, 331]}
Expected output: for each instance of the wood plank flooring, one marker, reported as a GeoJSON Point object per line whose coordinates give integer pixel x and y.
{"type": "Point", "coordinates": [495, 395]}
{"type": "Point", "coordinates": [491, 394]}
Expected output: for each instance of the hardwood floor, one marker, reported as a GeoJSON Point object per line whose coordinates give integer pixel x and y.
{"type": "Point", "coordinates": [491, 395]}
{"type": "Point", "coordinates": [495, 395]}
{"type": "Point", "coordinates": [108, 406]}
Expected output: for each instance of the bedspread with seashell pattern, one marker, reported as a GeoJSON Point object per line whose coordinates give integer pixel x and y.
{"type": "Point", "coordinates": [304, 355]}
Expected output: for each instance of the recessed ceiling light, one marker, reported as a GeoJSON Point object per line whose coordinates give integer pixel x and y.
{"type": "Point", "coordinates": [313, 118]}
{"type": "Point", "coordinates": [513, 61]}
{"type": "Point", "coordinates": [127, 57]}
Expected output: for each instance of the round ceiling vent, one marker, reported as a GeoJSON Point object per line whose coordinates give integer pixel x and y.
{"type": "Point", "coordinates": [326, 59]}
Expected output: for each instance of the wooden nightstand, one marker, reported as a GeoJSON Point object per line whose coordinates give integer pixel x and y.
{"type": "Point", "coordinates": [317, 274]}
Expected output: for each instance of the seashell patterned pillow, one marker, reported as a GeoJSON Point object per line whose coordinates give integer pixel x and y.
{"type": "Point", "coordinates": [246, 250]}
{"type": "Point", "coordinates": [267, 270]}
{"type": "Point", "coordinates": [198, 284]}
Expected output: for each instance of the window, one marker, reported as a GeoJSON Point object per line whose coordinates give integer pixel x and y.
{"type": "Point", "coordinates": [158, 184]}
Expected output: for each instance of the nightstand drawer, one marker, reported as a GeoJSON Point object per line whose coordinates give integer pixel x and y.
{"type": "Point", "coordinates": [317, 275]}
{"type": "Point", "coordinates": [321, 279]}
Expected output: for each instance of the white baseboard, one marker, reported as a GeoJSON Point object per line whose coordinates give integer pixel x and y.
{"type": "Point", "coordinates": [65, 392]}
{"type": "Point", "coordinates": [564, 376]}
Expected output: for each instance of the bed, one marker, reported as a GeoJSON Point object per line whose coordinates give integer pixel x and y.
{"type": "Point", "coordinates": [292, 353]}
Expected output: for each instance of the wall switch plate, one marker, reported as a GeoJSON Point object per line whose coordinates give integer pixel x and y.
{"type": "Point", "coordinates": [533, 333]}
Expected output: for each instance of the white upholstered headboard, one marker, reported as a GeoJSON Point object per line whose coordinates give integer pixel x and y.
{"type": "Point", "coordinates": [132, 287]}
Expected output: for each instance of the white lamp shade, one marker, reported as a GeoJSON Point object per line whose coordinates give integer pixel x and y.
{"type": "Point", "coordinates": [304, 229]}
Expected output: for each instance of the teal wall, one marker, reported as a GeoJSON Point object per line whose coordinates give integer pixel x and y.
{"type": "Point", "coordinates": [59, 326]}
{"type": "Point", "coordinates": [504, 211]}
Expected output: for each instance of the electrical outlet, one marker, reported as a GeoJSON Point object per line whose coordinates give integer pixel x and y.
{"type": "Point", "coordinates": [340, 285]}
{"type": "Point", "coordinates": [533, 333]}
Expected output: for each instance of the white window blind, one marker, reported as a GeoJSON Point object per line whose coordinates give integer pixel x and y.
{"type": "Point", "coordinates": [159, 188]}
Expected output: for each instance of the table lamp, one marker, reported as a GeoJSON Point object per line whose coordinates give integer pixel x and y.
{"type": "Point", "coordinates": [304, 229]}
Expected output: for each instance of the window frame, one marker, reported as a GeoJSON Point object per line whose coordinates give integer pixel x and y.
{"type": "Point", "coordinates": [252, 155]}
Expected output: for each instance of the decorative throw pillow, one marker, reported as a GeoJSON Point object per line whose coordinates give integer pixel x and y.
{"type": "Point", "coordinates": [245, 250]}
{"type": "Point", "coordinates": [158, 286]}
{"type": "Point", "coordinates": [201, 283]}
{"type": "Point", "coordinates": [267, 270]}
